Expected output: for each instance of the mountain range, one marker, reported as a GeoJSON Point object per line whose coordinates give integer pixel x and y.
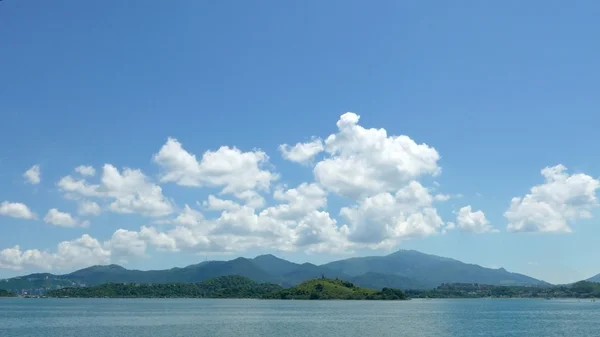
{"type": "Point", "coordinates": [404, 269]}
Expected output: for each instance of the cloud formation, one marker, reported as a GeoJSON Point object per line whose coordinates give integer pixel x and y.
{"type": "Point", "coordinates": [16, 210]}
{"type": "Point", "coordinates": [376, 179]}
{"type": "Point", "coordinates": [128, 191]}
{"type": "Point", "coordinates": [364, 162]}
{"type": "Point", "coordinates": [553, 205]}
{"type": "Point", "coordinates": [33, 175]}
{"type": "Point", "coordinates": [474, 222]}
{"type": "Point", "coordinates": [302, 153]}
{"type": "Point", "coordinates": [63, 219]}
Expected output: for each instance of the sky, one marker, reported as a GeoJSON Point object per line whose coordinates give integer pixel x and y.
{"type": "Point", "coordinates": [155, 134]}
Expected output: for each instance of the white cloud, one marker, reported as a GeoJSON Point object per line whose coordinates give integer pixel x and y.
{"type": "Point", "coordinates": [230, 168]}
{"type": "Point", "coordinates": [86, 170]}
{"type": "Point", "coordinates": [16, 210]}
{"type": "Point", "coordinates": [89, 208]}
{"type": "Point", "coordinates": [384, 219]}
{"type": "Point", "coordinates": [33, 175]}
{"type": "Point", "coordinates": [133, 193]}
{"type": "Point", "coordinates": [63, 219]}
{"type": "Point", "coordinates": [189, 217]}
{"type": "Point", "coordinates": [553, 205]}
{"type": "Point", "coordinates": [130, 192]}
{"type": "Point", "coordinates": [124, 244]}
{"type": "Point", "coordinates": [475, 222]}
{"type": "Point", "coordinates": [81, 252]}
{"type": "Point", "coordinates": [296, 223]}
{"type": "Point", "coordinates": [159, 240]}
{"type": "Point", "coordinates": [216, 204]}
{"type": "Point", "coordinates": [364, 162]}
{"type": "Point", "coordinates": [376, 172]}
{"type": "Point", "coordinates": [441, 197]}
{"type": "Point", "coordinates": [302, 152]}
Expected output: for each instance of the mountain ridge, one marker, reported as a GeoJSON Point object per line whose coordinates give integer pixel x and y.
{"type": "Point", "coordinates": [403, 269]}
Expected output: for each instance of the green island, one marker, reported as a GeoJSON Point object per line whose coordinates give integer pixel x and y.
{"type": "Point", "coordinates": [582, 289]}
{"type": "Point", "coordinates": [233, 287]}
{"type": "Point", "coordinates": [334, 289]}
{"type": "Point", "coordinates": [6, 293]}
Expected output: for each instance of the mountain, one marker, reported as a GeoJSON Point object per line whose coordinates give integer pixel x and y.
{"type": "Point", "coordinates": [594, 278]}
{"type": "Point", "coordinates": [403, 270]}
{"type": "Point", "coordinates": [379, 281]}
{"type": "Point", "coordinates": [274, 265]}
{"type": "Point", "coordinates": [429, 270]}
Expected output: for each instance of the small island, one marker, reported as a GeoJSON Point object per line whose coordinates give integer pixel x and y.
{"type": "Point", "coordinates": [334, 289]}
{"type": "Point", "coordinates": [233, 287]}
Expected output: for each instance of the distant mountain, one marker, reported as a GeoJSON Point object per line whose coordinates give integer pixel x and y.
{"type": "Point", "coordinates": [403, 270]}
{"type": "Point", "coordinates": [380, 281]}
{"type": "Point", "coordinates": [429, 270]}
{"type": "Point", "coordinates": [594, 278]}
{"type": "Point", "coordinates": [274, 265]}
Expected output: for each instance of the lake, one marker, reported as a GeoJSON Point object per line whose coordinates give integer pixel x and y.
{"type": "Point", "coordinates": [225, 318]}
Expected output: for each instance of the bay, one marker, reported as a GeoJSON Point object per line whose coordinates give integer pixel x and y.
{"type": "Point", "coordinates": [225, 318]}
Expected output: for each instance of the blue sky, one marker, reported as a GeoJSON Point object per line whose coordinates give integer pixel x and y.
{"type": "Point", "coordinates": [475, 98]}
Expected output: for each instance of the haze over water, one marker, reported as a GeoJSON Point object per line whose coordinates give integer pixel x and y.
{"type": "Point", "coordinates": [225, 318]}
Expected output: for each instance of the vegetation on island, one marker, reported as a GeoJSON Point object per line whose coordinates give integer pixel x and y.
{"type": "Point", "coordinates": [6, 293]}
{"type": "Point", "coordinates": [582, 289]}
{"type": "Point", "coordinates": [334, 289]}
{"type": "Point", "coordinates": [221, 287]}
{"type": "Point", "coordinates": [233, 287]}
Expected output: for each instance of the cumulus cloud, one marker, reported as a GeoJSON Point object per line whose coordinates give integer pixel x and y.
{"type": "Point", "coordinates": [364, 162]}
{"type": "Point", "coordinates": [129, 191]}
{"type": "Point", "coordinates": [86, 170]}
{"type": "Point", "coordinates": [230, 168]}
{"type": "Point", "coordinates": [217, 204]}
{"type": "Point", "coordinates": [475, 222]}
{"type": "Point", "coordinates": [125, 244]}
{"type": "Point", "coordinates": [89, 208]}
{"type": "Point", "coordinates": [553, 205]}
{"type": "Point", "coordinates": [16, 210]}
{"type": "Point", "coordinates": [302, 152]}
{"type": "Point", "coordinates": [33, 175]}
{"type": "Point", "coordinates": [385, 218]}
{"type": "Point", "coordinates": [376, 174]}
{"type": "Point", "coordinates": [81, 252]}
{"type": "Point", "coordinates": [63, 219]}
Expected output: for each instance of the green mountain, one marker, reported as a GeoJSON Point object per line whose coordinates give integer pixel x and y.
{"type": "Point", "coordinates": [378, 281]}
{"type": "Point", "coordinates": [334, 289]}
{"type": "Point", "coordinates": [429, 270]}
{"type": "Point", "coordinates": [220, 287]}
{"type": "Point", "coordinates": [401, 270]}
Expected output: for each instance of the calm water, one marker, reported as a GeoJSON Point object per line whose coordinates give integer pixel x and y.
{"type": "Point", "coordinates": [224, 318]}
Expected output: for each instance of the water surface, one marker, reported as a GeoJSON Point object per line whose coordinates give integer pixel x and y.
{"type": "Point", "coordinates": [249, 318]}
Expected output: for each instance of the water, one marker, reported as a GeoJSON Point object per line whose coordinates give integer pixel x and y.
{"type": "Point", "coordinates": [248, 318]}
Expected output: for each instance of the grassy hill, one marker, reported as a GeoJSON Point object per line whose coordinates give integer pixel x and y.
{"type": "Point", "coordinates": [334, 289]}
